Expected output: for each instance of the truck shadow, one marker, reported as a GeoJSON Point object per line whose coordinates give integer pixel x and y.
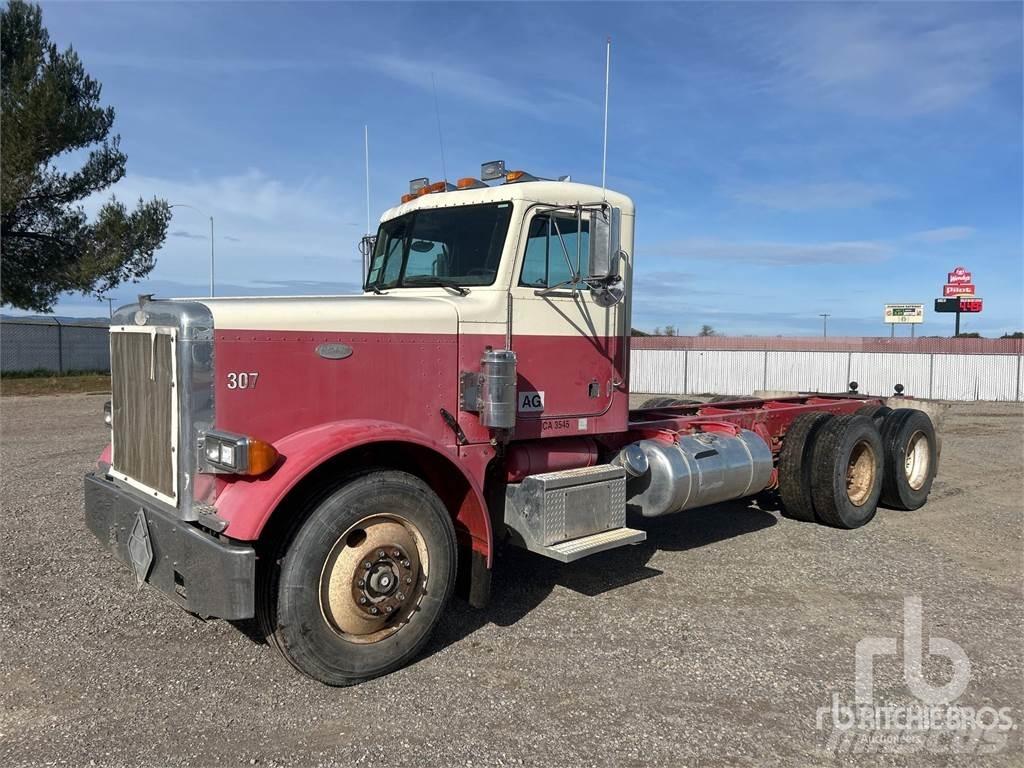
{"type": "Point", "coordinates": [523, 580]}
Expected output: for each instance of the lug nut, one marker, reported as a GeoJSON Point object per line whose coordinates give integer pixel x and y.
{"type": "Point", "coordinates": [406, 563]}
{"type": "Point", "coordinates": [380, 554]}
{"type": "Point", "coordinates": [362, 600]}
{"type": "Point", "coordinates": [367, 565]}
{"type": "Point", "coordinates": [361, 583]}
{"type": "Point", "coordinates": [374, 610]}
{"type": "Point", "coordinates": [408, 579]}
{"type": "Point", "coordinates": [400, 596]}
{"type": "Point", "coordinates": [390, 608]}
{"type": "Point", "coordinates": [396, 554]}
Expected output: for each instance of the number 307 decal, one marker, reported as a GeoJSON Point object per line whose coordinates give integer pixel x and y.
{"type": "Point", "coordinates": [242, 380]}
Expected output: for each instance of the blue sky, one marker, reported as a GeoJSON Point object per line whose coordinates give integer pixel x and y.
{"type": "Point", "coordinates": [786, 159]}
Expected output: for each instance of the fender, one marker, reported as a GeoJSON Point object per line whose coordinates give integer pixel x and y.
{"type": "Point", "coordinates": [247, 503]}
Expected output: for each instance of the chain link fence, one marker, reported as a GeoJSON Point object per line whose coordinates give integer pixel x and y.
{"type": "Point", "coordinates": [47, 344]}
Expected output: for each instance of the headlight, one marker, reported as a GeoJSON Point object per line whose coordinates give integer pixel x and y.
{"type": "Point", "coordinates": [108, 414]}
{"type": "Point", "coordinates": [238, 454]}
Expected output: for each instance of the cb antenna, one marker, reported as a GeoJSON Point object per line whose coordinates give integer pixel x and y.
{"type": "Point", "coordinates": [366, 154]}
{"type": "Point", "coordinates": [366, 243]}
{"type": "Point", "coordinates": [440, 139]}
{"type": "Point", "coordinates": [604, 151]}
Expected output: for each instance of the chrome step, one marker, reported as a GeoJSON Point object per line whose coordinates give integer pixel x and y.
{"type": "Point", "coordinates": [574, 549]}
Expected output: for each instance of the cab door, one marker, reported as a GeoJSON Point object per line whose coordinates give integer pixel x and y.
{"type": "Point", "coordinates": [565, 342]}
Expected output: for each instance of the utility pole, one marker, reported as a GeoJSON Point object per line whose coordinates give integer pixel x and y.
{"type": "Point", "coordinates": [824, 323]}
{"type": "Point", "coordinates": [186, 205]}
{"type": "Point", "coordinates": [211, 256]}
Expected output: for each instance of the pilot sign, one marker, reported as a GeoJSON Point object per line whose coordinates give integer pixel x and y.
{"type": "Point", "coordinates": [531, 402]}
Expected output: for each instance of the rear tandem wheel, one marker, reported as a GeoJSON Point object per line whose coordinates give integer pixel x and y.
{"type": "Point", "coordinates": [846, 475]}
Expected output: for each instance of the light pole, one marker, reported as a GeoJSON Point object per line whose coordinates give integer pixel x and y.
{"type": "Point", "coordinates": [186, 205]}
{"type": "Point", "coordinates": [824, 323]}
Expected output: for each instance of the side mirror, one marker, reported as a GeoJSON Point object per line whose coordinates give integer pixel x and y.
{"type": "Point", "coordinates": [603, 259]}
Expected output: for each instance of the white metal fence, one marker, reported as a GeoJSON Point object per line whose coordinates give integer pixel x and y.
{"type": "Point", "coordinates": [736, 372]}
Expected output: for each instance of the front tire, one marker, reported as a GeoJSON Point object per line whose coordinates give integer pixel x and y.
{"type": "Point", "coordinates": [362, 585]}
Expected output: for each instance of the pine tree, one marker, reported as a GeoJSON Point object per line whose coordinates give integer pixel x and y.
{"type": "Point", "coordinates": [50, 107]}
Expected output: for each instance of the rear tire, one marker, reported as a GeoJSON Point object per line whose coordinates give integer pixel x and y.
{"type": "Point", "coordinates": [316, 599]}
{"type": "Point", "coordinates": [876, 413]}
{"type": "Point", "coordinates": [846, 476]}
{"type": "Point", "coordinates": [795, 462]}
{"type": "Point", "coordinates": [911, 458]}
{"type": "Point", "coordinates": [730, 398]}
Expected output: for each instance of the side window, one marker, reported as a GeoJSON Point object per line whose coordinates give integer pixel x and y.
{"type": "Point", "coordinates": [393, 259]}
{"type": "Point", "coordinates": [544, 263]}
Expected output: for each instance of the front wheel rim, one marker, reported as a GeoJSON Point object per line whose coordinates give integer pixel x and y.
{"type": "Point", "coordinates": [917, 460]}
{"type": "Point", "coordinates": [374, 578]}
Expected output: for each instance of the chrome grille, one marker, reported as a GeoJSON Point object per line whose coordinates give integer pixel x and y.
{"type": "Point", "coordinates": [144, 409]}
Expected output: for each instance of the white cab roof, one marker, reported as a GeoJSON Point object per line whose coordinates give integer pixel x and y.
{"type": "Point", "coordinates": [549, 192]}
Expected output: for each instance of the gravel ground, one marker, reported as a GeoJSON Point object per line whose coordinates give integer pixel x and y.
{"type": "Point", "coordinates": [714, 642]}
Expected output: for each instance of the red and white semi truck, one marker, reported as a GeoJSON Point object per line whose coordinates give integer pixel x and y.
{"type": "Point", "coordinates": [339, 466]}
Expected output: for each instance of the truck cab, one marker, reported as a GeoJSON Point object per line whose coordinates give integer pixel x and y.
{"type": "Point", "coordinates": [338, 466]}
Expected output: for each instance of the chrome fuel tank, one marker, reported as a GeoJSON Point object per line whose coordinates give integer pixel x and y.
{"type": "Point", "coordinates": [695, 470]}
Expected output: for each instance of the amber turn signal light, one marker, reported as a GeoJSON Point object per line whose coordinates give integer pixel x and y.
{"type": "Point", "coordinates": [262, 456]}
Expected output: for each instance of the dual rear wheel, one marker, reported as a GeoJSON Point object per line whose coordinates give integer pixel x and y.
{"type": "Point", "coordinates": [836, 470]}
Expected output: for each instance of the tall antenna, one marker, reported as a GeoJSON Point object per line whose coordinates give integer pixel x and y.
{"type": "Point", "coordinates": [604, 152]}
{"type": "Point", "coordinates": [440, 140]}
{"type": "Point", "coordinates": [366, 151]}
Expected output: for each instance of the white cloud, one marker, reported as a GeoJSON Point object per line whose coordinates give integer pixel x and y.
{"type": "Point", "coordinates": [801, 196]}
{"type": "Point", "coordinates": [885, 61]}
{"type": "Point", "coordinates": [265, 228]}
{"type": "Point", "coordinates": [470, 85]}
{"type": "Point", "coordinates": [942, 234]}
{"type": "Point", "coordinates": [776, 253]}
{"type": "Point", "coordinates": [222, 65]}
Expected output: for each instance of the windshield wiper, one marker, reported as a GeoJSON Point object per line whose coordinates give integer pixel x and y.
{"type": "Point", "coordinates": [430, 280]}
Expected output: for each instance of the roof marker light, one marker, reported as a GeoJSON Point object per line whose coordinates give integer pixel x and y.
{"type": "Point", "coordinates": [470, 183]}
{"type": "Point", "coordinates": [513, 176]}
{"type": "Point", "coordinates": [495, 169]}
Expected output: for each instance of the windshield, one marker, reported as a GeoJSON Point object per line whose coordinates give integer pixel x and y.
{"type": "Point", "coordinates": [454, 246]}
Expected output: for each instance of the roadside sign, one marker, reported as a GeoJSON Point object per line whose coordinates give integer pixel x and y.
{"type": "Point", "coordinates": [970, 304]}
{"type": "Point", "coordinates": [959, 276]}
{"type": "Point", "coordinates": [947, 305]}
{"type": "Point", "coordinates": [966, 289]}
{"type": "Point", "coordinates": [904, 313]}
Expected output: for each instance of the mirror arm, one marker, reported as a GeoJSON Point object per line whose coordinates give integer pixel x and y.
{"type": "Point", "coordinates": [572, 282]}
{"type": "Point", "coordinates": [565, 251]}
